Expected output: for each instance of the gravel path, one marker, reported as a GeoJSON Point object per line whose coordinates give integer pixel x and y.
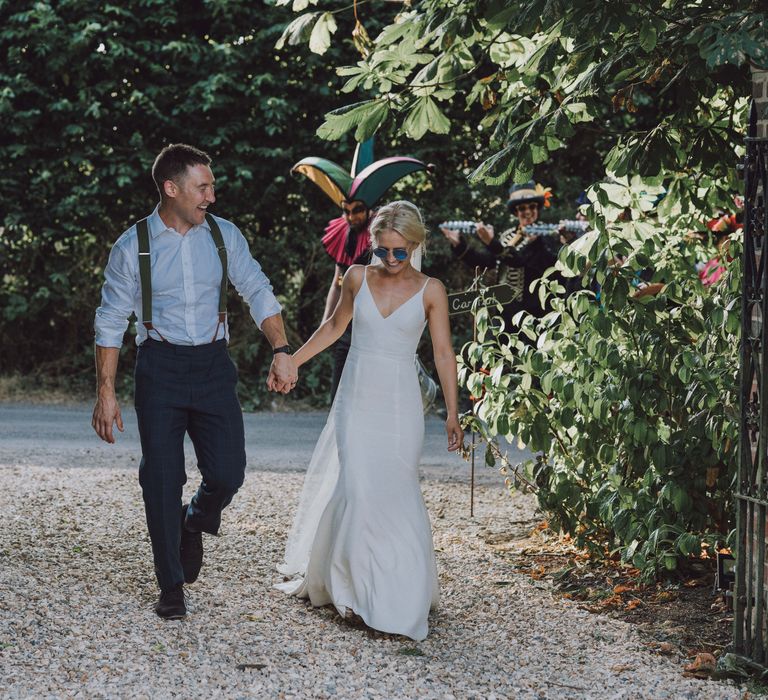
{"type": "Point", "coordinates": [76, 597]}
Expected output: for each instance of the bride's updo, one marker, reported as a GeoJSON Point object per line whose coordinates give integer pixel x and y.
{"type": "Point", "coordinates": [404, 218]}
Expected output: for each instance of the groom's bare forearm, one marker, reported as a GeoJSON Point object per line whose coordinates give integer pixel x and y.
{"type": "Point", "coordinates": [274, 330]}
{"type": "Point", "coordinates": [106, 412]}
{"type": "Point", "coordinates": [106, 369]}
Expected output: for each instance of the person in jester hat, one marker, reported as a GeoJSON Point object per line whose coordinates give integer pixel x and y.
{"type": "Point", "coordinates": [347, 238]}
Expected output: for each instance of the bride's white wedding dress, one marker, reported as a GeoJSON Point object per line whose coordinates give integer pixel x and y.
{"type": "Point", "coordinates": [361, 538]}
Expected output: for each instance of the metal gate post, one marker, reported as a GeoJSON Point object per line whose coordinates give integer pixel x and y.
{"type": "Point", "coordinates": [752, 481]}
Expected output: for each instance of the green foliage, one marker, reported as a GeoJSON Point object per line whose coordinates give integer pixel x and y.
{"type": "Point", "coordinates": [90, 92]}
{"type": "Point", "coordinates": [628, 400]}
{"type": "Point", "coordinates": [534, 74]}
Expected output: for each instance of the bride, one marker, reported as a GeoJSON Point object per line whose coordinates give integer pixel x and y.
{"type": "Point", "coordinates": [361, 538]}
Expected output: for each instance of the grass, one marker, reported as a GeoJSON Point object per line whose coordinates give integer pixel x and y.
{"type": "Point", "coordinates": [37, 389]}
{"type": "Point", "coordinates": [79, 389]}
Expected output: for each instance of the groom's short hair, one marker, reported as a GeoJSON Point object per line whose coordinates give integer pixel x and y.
{"type": "Point", "coordinates": [172, 163]}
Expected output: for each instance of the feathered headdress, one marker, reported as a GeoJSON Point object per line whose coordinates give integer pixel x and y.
{"type": "Point", "coordinates": [367, 181]}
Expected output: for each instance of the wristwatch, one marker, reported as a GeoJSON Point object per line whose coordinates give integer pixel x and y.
{"type": "Point", "coordinates": [282, 348]}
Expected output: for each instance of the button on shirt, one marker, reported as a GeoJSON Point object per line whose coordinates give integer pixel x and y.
{"type": "Point", "coordinates": [186, 280]}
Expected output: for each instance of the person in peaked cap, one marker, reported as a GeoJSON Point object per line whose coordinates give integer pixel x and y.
{"type": "Point", "coordinates": [347, 238]}
{"type": "Point", "coordinates": [518, 259]}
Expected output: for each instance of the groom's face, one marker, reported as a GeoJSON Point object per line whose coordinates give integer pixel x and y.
{"type": "Point", "coordinates": [190, 195]}
{"type": "Point", "coordinates": [356, 215]}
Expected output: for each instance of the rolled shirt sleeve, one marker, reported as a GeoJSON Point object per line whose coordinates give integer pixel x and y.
{"type": "Point", "coordinates": [117, 296]}
{"type": "Point", "coordinates": [249, 279]}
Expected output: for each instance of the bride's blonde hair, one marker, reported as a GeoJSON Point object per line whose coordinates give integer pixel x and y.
{"type": "Point", "coordinates": [402, 217]}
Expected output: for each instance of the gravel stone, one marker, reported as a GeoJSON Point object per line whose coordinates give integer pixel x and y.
{"type": "Point", "coordinates": [77, 595]}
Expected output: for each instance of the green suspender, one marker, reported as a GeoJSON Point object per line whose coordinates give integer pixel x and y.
{"type": "Point", "coordinates": [218, 239]}
{"type": "Point", "coordinates": [145, 274]}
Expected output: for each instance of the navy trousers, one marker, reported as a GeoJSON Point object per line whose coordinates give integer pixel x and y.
{"type": "Point", "coordinates": [182, 389]}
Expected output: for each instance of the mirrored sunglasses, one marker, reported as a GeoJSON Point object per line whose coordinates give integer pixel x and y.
{"type": "Point", "coordinates": [397, 253]}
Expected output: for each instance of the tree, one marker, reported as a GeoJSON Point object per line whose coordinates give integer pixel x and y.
{"type": "Point", "coordinates": [628, 398]}
{"type": "Point", "coordinates": [89, 93]}
{"type": "Point", "coordinates": [530, 73]}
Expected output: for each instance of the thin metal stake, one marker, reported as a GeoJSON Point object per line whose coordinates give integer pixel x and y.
{"type": "Point", "coordinates": [472, 481]}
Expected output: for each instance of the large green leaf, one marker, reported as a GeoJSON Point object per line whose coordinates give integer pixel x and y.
{"type": "Point", "coordinates": [340, 121]}
{"type": "Point", "coordinates": [298, 31]}
{"type": "Point", "coordinates": [425, 116]}
{"type": "Point", "coordinates": [320, 38]}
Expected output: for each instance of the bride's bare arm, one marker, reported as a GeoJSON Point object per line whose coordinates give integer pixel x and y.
{"type": "Point", "coordinates": [436, 307]}
{"type": "Point", "coordinates": [332, 328]}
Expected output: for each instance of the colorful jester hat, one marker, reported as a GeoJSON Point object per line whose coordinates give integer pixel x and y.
{"type": "Point", "coordinates": [367, 182]}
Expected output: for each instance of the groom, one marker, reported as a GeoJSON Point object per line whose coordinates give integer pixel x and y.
{"type": "Point", "coordinates": [171, 269]}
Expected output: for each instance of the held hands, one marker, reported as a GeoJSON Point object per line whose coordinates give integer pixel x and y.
{"type": "Point", "coordinates": [283, 373]}
{"type": "Point", "coordinates": [454, 432]}
{"type": "Point", "coordinates": [105, 413]}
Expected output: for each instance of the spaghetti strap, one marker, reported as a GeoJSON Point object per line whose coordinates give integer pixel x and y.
{"type": "Point", "coordinates": [363, 284]}
{"type": "Point", "coordinates": [421, 294]}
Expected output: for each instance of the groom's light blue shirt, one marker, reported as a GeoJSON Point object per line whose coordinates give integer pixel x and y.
{"type": "Point", "coordinates": [186, 277]}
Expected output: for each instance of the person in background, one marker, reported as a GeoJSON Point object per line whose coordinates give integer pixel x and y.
{"type": "Point", "coordinates": [347, 238]}
{"type": "Point", "coordinates": [517, 258]}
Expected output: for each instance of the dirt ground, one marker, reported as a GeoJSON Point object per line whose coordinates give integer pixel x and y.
{"type": "Point", "coordinates": [680, 618]}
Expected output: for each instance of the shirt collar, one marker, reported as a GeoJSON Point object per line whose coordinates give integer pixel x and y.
{"type": "Point", "coordinates": [157, 226]}
{"type": "Point", "coordinates": [155, 223]}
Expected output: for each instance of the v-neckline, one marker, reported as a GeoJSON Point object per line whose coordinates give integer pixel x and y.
{"type": "Point", "coordinates": [373, 298]}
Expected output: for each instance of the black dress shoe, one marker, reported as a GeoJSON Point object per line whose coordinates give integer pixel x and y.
{"type": "Point", "coordinates": [191, 550]}
{"type": "Point", "coordinates": [171, 604]}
